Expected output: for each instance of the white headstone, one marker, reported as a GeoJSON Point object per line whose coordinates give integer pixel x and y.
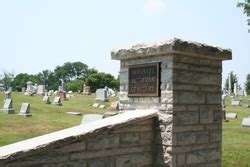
{"type": "Point", "coordinates": [57, 101]}
{"type": "Point", "coordinates": [25, 110]}
{"type": "Point", "coordinates": [231, 115]}
{"type": "Point", "coordinates": [7, 95]}
{"type": "Point", "coordinates": [235, 103]}
{"type": "Point", "coordinates": [46, 100]}
{"type": "Point", "coordinates": [40, 90]}
{"type": "Point", "coordinates": [74, 113]}
{"type": "Point", "coordinates": [102, 106]}
{"type": "Point", "coordinates": [101, 95]}
{"type": "Point", "coordinates": [87, 118]}
{"type": "Point", "coordinates": [246, 122]}
{"type": "Point", "coordinates": [7, 107]}
{"type": "Point", "coordinates": [96, 105]}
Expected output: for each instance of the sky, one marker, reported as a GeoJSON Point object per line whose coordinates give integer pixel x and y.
{"type": "Point", "coordinates": [36, 35]}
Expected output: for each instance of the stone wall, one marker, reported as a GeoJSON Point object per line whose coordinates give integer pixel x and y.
{"type": "Point", "coordinates": [123, 140]}
{"type": "Point", "coordinates": [190, 123]}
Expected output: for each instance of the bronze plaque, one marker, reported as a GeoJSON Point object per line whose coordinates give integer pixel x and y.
{"type": "Point", "coordinates": [144, 80]}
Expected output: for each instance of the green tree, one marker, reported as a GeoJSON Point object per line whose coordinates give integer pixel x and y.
{"type": "Point", "coordinates": [74, 85]}
{"type": "Point", "coordinates": [100, 80]}
{"type": "Point", "coordinates": [21, 79]}
{"type": "Point", "coordinates": [246, 8]}
{"type": "Point", "coordinates": [234, 79]}
{"type": "Point", "coordinates": [71, 71]}
{"type": "Point", "coordinates": [6, 79]}
{"type": "Point", "coordinates": [247, 84]}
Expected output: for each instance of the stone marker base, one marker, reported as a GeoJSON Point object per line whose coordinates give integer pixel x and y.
{"type": "Point", "coordinates": [102, 100]}
{"type": "Point", "coordinates": [86, 93]}
{"type": "Point", "coordinates": [8, 111]}
{"type": "Point", "coordinates": [25, 115]}
{"type": "Point", "coordinates": [46, 102]}
{"type": "Point", "coordinates": [58, 104]}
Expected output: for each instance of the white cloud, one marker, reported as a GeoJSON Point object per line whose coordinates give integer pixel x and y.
{"type": "Point", "coordinates": [152, 7]}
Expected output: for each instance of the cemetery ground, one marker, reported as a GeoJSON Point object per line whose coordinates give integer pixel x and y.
{"type": "Point", "coordinates": [236, 139]}
{"type": "Point", "coordinates": [49, 118]}
{"type": "Point", "coordinates": [45, 118]}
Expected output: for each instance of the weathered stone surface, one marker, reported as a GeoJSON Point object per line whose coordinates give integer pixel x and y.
{"type": "Point", "coordinates": [134, 160]}
{"type": "Point", "coordinates": [186, 138]}
{"type": "Point", "coordinates": [191, 98]}
{"type": "Point", "coordinates": [187, 118]}
{"type": "Point", "coordinates": [203, 156]}
{"type": "Point", "coordinates": [170, 46]}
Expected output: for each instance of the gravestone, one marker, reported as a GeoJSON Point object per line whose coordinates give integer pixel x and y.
{"type": "Point", "coordinates": [57, 101]}
{"type": "Point", "coordinates": [246, 122]}
{"type": "Point", "coordinates": [25, 110]}
{"type": "Point", "coordinates": [7, 107]}
{"type": "Point", "coordinates": [173, 76]}
{"type": "Point", "coordinates": [62, 94]}
{"type": "Point", "coordinates": [74, 113]}
{"type": "Point", "coordinates": [231, 115]}
{"type": "Point", "coordinates": [101, 95]}
{"type": "Point", "coordinates": [23, 89]}
{"type": "Point", "coordinates": [46, 100]}
{"type": "Point", "coordinates": [50, 93]}
{"type": "Point", "coordinates": [114, 105]}
{"type": "Point", "coordinates": [235, 103]}
{"type": "Point", "coordinates": [87, 118]}
{"type": "Point", "coordinates": [96, 105]}
{"type": "Point", "coordinates": [40, 90]}
{"type": "Point", "coordinates": [30, 90]}
{"type": "Point", "coordinates": [10, 89]}
{"type": "Point", "coordinates": [86, 90]}
{"type": "Point", "coordinates": [7, 95]}
{"type": "Point", "coordinates": [102, 106]}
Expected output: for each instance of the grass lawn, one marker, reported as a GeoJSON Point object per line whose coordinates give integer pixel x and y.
{"type": "Point", "coordinates": [45, 117]}
{"type": "Point", "coordinates": [236, 139]}
{"type": "Point", "coordinates": [48, 118]}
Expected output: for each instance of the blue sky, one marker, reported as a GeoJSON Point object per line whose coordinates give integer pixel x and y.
{"type": "Point", "coordinates": [41, 34]}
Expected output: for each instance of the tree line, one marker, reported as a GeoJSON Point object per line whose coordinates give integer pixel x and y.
{"type": "Point", "coordinates": [74, 75]}
{"type": "Point", "coordinates": [234, 80]}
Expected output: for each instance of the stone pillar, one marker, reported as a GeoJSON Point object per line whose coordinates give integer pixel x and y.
{"type": "Point", "coordinates": [186, 89]}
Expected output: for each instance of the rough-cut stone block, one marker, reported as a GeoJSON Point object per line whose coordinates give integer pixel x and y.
{"type": "Point", "coordinates": [130, 139]}
{"type": "Point", "coordinates": [191, 98]}
{"type": "Point", "coordinates": [202, 137]}
{"type": "Point", "coordinates": [215, 136]}
{"type": "Point", "coordinates": [199, 78]}
{"type": "Point", "coordinates": [108, 162]}
{"type": "Point", "coordinates": [187, 128]}
{"type": "Point", "coordinates": [134, 160]}
{"type": "Point", "coordinates": [146, 138]}
{"type": "Point", "coordinates": [77, 146]}
{"type": "Point", "coordinates": [186, 118]}
{"type": "Point", "coordinates": [206, 114]}
{"type": "Point", "coordinates": [203, 156]}
{"type": "Point", "coordinates": [103, 142]}
{"type": "Point", "coordinates": [110, 152]}
{"type": "Point", "coordinates": [181, 158]}
{"type": "Point", "coordinates": [186, 138]}
{"type": "Point", "coordinates": [213, 98]}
